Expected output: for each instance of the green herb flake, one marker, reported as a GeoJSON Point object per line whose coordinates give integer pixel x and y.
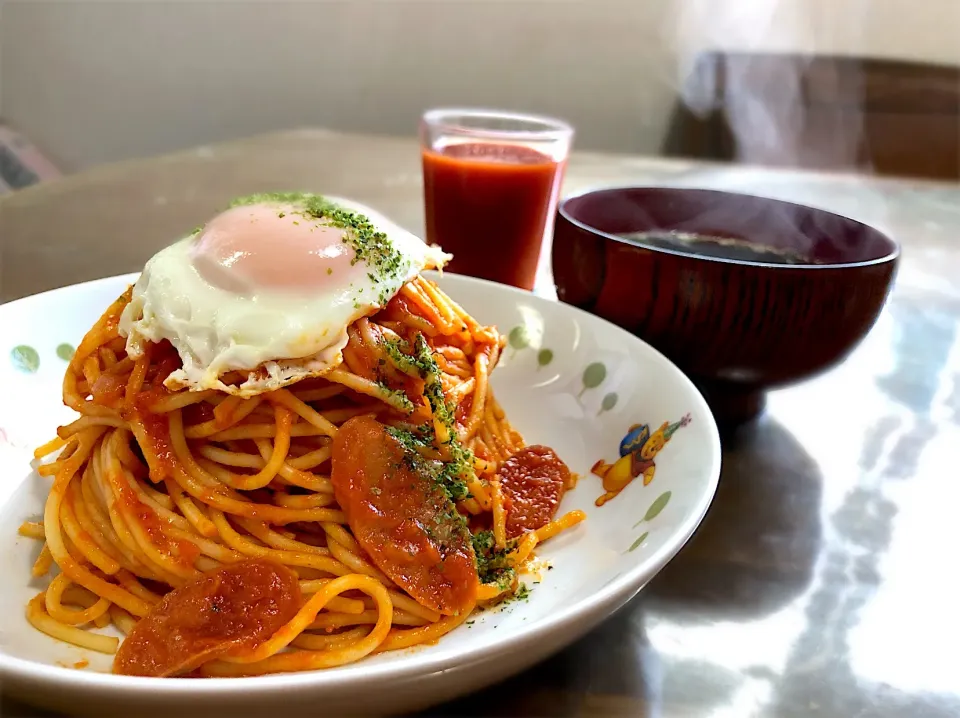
{"type": "Point", "coordinates": [462, 465]}
{"type": "Point", "coordinates": [399, 396]}
{"type": "Point", "coordinates": [370, 245]}
{"type": "Point", "coordinates": [440, 473]}
{"type": "Point", "coordinates": [456, 474]}
{"type": "Point", "coordinates": [492, 565]}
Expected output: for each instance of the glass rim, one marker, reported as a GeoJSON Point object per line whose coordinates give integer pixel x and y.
{"type": "Point", "coordinates": [445, 119]}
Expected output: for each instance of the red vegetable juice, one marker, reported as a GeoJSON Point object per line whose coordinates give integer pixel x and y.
{"type": "Point", "coordinates": [490, 204]}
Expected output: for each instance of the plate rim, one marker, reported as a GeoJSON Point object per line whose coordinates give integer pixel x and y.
{"type": "Point", "coordinates": [591, 610]}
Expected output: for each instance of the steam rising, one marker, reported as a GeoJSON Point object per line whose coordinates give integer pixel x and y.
{"type": "Point", "coordinates": [769, 97]}
{"type": "Point", "coordinates": [763, 100]}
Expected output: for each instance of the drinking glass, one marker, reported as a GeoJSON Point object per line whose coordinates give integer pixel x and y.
{"type": "Point", "coordinates": [491, 181]}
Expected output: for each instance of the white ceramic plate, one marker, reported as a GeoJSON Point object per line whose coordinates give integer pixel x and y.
{"type": "Point", "coordinates": [568, 379]}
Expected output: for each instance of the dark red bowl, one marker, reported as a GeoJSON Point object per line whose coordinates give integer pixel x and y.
{"type": "Point", "coordinates": [736, 327]}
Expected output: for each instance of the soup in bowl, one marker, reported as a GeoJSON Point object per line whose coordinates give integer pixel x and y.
{"type": "Point", "coordinates": [743, 293]}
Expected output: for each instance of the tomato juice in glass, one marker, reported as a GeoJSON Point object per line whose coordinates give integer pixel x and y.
{"type": "Point", "coordinates": [491, 181]}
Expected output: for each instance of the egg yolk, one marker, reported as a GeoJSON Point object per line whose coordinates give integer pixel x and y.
{"type": "Point", "coordinates": [271, 247]}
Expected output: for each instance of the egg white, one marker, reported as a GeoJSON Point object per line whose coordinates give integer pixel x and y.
{"type": "Point", "coordinates": [276, 338]}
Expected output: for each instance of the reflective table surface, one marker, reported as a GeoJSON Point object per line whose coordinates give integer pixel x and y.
{"type": "Point", "coordinates": [822, 581]}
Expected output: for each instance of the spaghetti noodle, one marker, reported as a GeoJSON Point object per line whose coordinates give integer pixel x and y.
{"type": "Point", "coordinates": [156, 492]}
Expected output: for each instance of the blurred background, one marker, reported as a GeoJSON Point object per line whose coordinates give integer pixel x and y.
{"type": "Point", "coordinates": [862, 85]}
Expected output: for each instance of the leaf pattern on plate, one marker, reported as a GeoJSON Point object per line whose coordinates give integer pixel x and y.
{"type": "Point", "coordinates": [519, 338]}
{"type": "Point", "coordinates": [66, 351]}
{"type": "Point", "coordinates": [609, 401]}
{"type": "Point", "coordinates": [544, 357]}
{"type": "Point", "coordinates": [658, 505]}
{"type": "Point", "coordinates": [593, 376]}
{"type": "Point", "coordinates": [636, 544]}
{"type": "Point", "coordinates": [25, 358]}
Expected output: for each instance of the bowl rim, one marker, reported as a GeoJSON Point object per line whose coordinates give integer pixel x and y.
{"type": "Point", "coordinates": [891, 257]}
{"type": "Point", "coordinates": [590, 611]}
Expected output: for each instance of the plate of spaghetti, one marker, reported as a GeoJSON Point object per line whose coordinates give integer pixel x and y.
{"type": "Point", "coordinates": [294, 461]}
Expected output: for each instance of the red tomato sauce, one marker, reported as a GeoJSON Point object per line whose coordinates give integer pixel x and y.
{"type": "Point", "coordinates": [159, 451]}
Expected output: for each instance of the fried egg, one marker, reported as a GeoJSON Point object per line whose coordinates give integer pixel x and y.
{"type": "Point", "coordinates": [268, 289]}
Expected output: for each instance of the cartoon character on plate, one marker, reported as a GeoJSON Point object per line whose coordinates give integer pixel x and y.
{"type": "Point", "coordinates": [637, 451]}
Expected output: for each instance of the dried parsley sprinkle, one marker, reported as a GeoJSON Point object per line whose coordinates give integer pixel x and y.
{"type": "Point", "coordinates": [370, 245]}
{"type": "Point", "coordinates": [449, 525]}
{"type": "Point", "coordinates": [407, 439]}
{"type": "Point", "coordinates": [462, 464]}
{"type": "Point", "coordinates": [399, 395]}
{"type": "Point", "coordinates": [455, 489]}
{"type": "Point", "coordinates": [492, 565]}
{"type": "Point", "coordinates": [396, 350]}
